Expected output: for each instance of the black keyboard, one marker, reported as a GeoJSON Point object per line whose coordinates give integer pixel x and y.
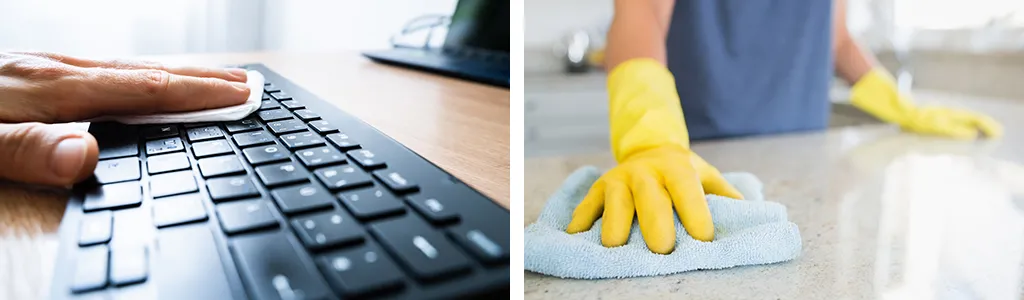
{"type": "Point", "coordinates": [297, 201]}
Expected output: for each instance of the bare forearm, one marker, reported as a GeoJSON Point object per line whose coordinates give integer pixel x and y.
{"type": "Point", "coordinates": [851, 60]}
{"type": "Point", "coordinates": [638, 30]}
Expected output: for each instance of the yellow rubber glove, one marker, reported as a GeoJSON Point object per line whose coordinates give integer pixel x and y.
{"type": "Point", "coordinates": [876, 94]}
{"type": "Point", "coordinates": [656, 170]}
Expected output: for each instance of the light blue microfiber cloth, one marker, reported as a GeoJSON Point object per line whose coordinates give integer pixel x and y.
{"type": "Point", "coordinates": [747, 232]}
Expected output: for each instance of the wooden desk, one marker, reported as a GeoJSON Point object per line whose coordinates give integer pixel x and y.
{"type": "Point", "coordinates": [460, 126]}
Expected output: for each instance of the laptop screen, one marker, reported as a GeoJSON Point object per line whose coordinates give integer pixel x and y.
{"type": "Point", "coordinates": [480, 24]}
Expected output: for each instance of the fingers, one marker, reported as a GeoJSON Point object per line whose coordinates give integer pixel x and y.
{"type": "Point", "coordinates": [712, 181]}
{"type": "Point", "coordinates": [687, 194]}
{"type": "Point", "coordinates": [232, 74]}
{"type": "Point", "coordinates": [987, 125]}
{"type": "Point", "coordinates": [111, 91]}
{"type": "Point", "coordinates": [618, 214]}
{"type": "Point", "coordinates": [654, 213]}
{"type": "Point", "coordinates": [46, 154]}
{"type": "Point", "coordinates": [588, 210]}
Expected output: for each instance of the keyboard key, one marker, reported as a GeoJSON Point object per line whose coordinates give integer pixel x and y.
{"type": "Point", "coordinates": [306, 115]}
{"type": "Point", "coordinates": [231, 188]}
{"type": "Point", "coordinates": [426, 252]}
{"type": "Point", "coordinates": [117, 170]}
{"type": "Point", "coordinates": [302, 140]}
{"type": "Point", "coordinates": [343, 141]}
{"type": "Point", "coordinates": [432, 208]}
{"type": "Point", "coordinates": [220, 165]}
{"type": "Point", "coordinates": [269, 104]}
{"type": "Point", "coordinates": [320, 156]}
{"type": "Point", "coordinates": [292, 104]}
{"type": "Point", "coordinates": [361, 270]}
{"type": "Point", "coordinates": [395, 181]}
{"type": "Point", "coordinates": [240, 216]}
{"type": "Point", "coordinates": [176, 210]}
{"type": "Point", "coordinates": [270, 88]}
{"type": "Point", "coordinates": [132, 227]}
{"type": "Point", "coordinates": [167, 162]}
{"type": "Point", "coordinates": [371, 203]}
{"type": "Point", "coordinates": [242, 125]}
{"type": "Point", "coordinates": [115, 140]}
{"type": "Point", "coordinates": [283, 173]}
{"type": "Point", "coordinates": [266, 96]}
{"type": "Point", "coordinates": [247, 139]}
{"type": "Point", "coordinates": [272, 268]}
{"type": "Point", "coordinates": [164, 146]}
{"type": "Point", "coordinates": [159, 131]}
{"type": "Point", "coordinates": [265, 154]}
{"type": "Point", "coordinates": [328, 229]}
{"type": "Point", "coordinates": [204, 133]}
{"type": "Point", "coordinates": [211, 148]}
{"type": "Point", "coordinates": [343, 177]}
{"type": "Point", "coordinates": [187, 265]}
{"type": "Point", "coordinates": [323, 127]}
{"type": "Point", "coordinates": [274, 115]}
{"type": "Point", "coordinates": [90, 269]}
{"type": "Point", "coordinates": [301, 198]}
{"type": "Point", "coordinates": [129, 265]}
{"type": "Point", "coordinates": [286, 126]}
{"type": "Point", "coordinates": [200, 124]}
{"type": "Point", "coordinates": [366, 159]}
{"type": "Point", "coordinates": [489, 247]}
{"type": "Point", "coordinates": [172, 184]}
{"type": "Point", "coordinates": [110, 196]}
{"type": "Point", "coordinates": [280, 95]}
{"type": "Point", "coordinates": [95, 228]}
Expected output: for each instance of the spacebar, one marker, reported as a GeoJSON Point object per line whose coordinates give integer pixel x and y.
{"type": "Point", "coordinates": [188, 265]}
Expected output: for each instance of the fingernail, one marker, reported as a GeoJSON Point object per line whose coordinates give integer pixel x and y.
{"type": "Point", "coordinates": [68, 157]}
{"type": "Point", "coordinates": [237, 72]}
{"type": "Point", "coordinates": [241, 86]}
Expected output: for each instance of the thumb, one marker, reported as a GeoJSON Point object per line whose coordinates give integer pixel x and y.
{"type": "Point", "coordinates": [36, 153]}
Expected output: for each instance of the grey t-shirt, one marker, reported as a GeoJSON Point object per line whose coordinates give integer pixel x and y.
{"type": "Point", "coordinates": [748, 67]}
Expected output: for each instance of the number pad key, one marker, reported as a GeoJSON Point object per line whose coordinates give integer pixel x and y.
{"type": "Point", "coordinates": [273, 268]}
{"type": "Point", "coordinates": [323, 127]}
{"type": "Point", "coordinates": [247, 139]}
{"type": "Point", "coordinates": [360, 270]}
{"type": "Point", "coordinates": [269, 104]}
{"type": "Point", "coordinates": [306, 115]}
{"type": "Point", "coordinates": [159, 131]}
{"type": "Point", "coordinates": [286, 126]}
{"type": "Point", "coordinates": [395, 181]}
{"type": "Point", "coordinates": [117, 170]}
{"type": "Point", "coordinates": [343, 177]}
{"type": "Point", "coordinates": [301, 198]}
{"type": "Point", "coordinates": [231, 188]}
{"type": "Point", "coordinates": [328, 229]}
{"type": "Point", "coordinates": [211, 148]}
{"type": "Point", "coordinates": [434, 209]}
{"type": "Point", "coordinates": [426, 252]}
{"type": "Point", "coordinates": [242, 125]}
{"type": "Point", "coordinates": [343, 141]}
{"type": "Point", "coordinates": [284, 173]}
{"type": "Point", "coordinates": [265, 154]}
{"type": "Point", "coordinates": [172, 184]}
{"type": "Point", "coordinates": [490, 246]}
{"type": "Point", "coordinates": [320, 156]}
{"type": "Point", "coordinates": [179, 209]}
{"type": "Point", "coordinates": [167, 162]}
{"type": "Point", "coordinates": [292, 104]}
{"type": "Point", "coordinates": [371, 203]}
{"type": "Point", "coordinates": [274, 115]}
{"type": "Point", "coordinates": [116, 195]}
{"type": "Point", "coordinates": [366, 158]}
{"type": "Point", "coordinates": [204, 133]}
{"type": "Point", "coordinates": [280, 95]}
{"type": "Point", "coordinates": [302, 140]}
{"type": "Point", "coordinates": [220, 165]}
{"type": "Point", "coordinates": [241, 216]}
{"type": "Point", "coordinates": [164, 146]}
{"type": "Point", "coordinates": [95, 228]}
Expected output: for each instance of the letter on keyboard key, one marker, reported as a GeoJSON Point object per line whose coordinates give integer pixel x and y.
{"type": "Point", "coordinates": [242, 125]}
{"type": "Point", "coordinates": [95, 228]}
{"type": "Point", "coordinates": [301, 198]}
{"type": "Point", "coordinates": [269, 104]}
{"type": "Point", "coordinates": [320, 156]}
{"type": "Point", "coordinates": [90, 269]}
{"type": "Point", "coordinates": [129, 265]}
{"type": "Point", "coordinates": [231, 188]}
{"type": "Point", "coordinates": [240, 216]}
{"type": "Point", "coordinates": [371, 202]}
{"type": "Point", "coordinates": [488, 245]}
{"type": "Point", "coordinates": [167, 162]}
{"type": "Point", "coordinates": [283, 173]}
{"type": "Point", "coordinates": [188, 266]}
{"type": "Point", "coordinates": [427, 252]}
{"type": "Point", "coordinates": [434, 209]}
{"type": "Point", "coordinates": [164, 146]}
{"type": "Point", "coordinates": [306, 115]}
{"type": "Point", "coordinates": [366, 158]}
{"type": "Point", "coordinates": [274, 115]}
{"type": "Point", "coordinates": [204, 133]}
{"type": "Point", "coordinates": [116, 170]}
{"type": "Point", "coordinates": [273, 269]}
{"type": "Point", "coordinates": [265, 154]}
{"type": "Point", "coordinates": [286, 126]}
{"type": "Point", "coordinates": [395, 181]}
{"type": "Point", "coordinates": [220, 165]}
{"type": "Point", "coordinates": [211, 148]}
{"type": "Point", "coordinates": [323, 127]}
{"type": "Point", "coordinates": [302, 140]}
{"type": "Point", "coordinates": [172, 184]}
{"type": "Point", "coordinates": [115, 195]}
{"type": "Point", "coordinates": [343, 141]}
{"type": "Point", "coordinates": [360, 270]}
{"type": "Point", "coordinates": [292, 104]}
{"type": "Point", "coordinates": [328, 229]}
{"type": "Point", "coordinates": [343, 177]}
{"type": "Point", "coordinates": [247, 139]}
{"type": "Point", "coordinates": [176, 210]}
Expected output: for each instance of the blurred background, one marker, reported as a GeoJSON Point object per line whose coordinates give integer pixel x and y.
{"type": "Point", "coordinates": [958, 47]}
{"type": "Point", "coordinates": [108, 28]}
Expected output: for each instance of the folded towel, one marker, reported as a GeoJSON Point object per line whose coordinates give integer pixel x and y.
{"type": "Point", "coordinates": [747, 232]}
{"type": "Point", "coordinates": [230, 113]}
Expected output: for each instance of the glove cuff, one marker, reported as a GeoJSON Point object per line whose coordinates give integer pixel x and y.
{"type": "Point", "coordinates": [644, 108]}
{"type": "Point", "coordinates": [876, 94]}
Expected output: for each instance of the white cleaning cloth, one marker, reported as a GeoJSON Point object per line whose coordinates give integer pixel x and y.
{"type": "Point", "coordinates": [747, 232]}
{"type": "Point", "coordinates": [230, 113]}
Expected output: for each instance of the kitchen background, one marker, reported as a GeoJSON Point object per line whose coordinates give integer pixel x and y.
{"type": "Point", "coordinates": [944, 47]}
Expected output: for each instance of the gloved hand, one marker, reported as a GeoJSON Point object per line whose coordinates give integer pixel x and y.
{"type": "Point", "coordinates": [876, 94]}
{"type": "Point", "coordinates": [656, 171]}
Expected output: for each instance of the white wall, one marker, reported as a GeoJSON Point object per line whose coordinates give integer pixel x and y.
{"type": "Point", "coordinates": [547, 21]}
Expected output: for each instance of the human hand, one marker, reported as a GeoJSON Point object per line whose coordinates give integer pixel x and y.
{"type": "Point", "coordinates": [38, 89]}
{"type": "Point", "coordinates": [650, 184]}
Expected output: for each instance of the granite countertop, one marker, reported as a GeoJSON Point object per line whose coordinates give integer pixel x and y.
{"type": "Point", "coordinates": [856, 195]}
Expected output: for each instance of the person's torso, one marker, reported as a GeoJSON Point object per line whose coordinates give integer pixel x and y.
{"type": "Point", "coordinates": [751, 67]}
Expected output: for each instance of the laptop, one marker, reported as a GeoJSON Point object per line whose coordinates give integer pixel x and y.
{"type": "Point", "coordinates": [475, 49]}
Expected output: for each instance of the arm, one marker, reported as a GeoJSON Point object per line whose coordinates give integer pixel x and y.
{"type": "Point", "coordinates": [638, 30]}
{"type": "Point", "coordinates": [851, 61]}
